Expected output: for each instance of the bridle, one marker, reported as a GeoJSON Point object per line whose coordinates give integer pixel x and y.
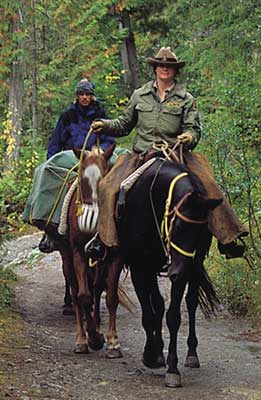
{"type": "Point", "coordinates": [170, 217]}
{"type": "Point", "coordinates": [167, 224]}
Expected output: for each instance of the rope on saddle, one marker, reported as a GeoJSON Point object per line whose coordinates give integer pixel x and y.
{"type": "Point", "coordinates": [62, 228]}
{"type": "Point", "coordinates": [170, 153]}
{"type": "Point", "coordinates": [132, 178]}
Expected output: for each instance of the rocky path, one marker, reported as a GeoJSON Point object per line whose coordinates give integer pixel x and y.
{"type": "Point", "coordinates": [37, 361]}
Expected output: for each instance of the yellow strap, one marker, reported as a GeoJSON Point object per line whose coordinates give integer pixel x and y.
{"type": "Point", "coordinates": [92, 263]}
{"type": "Point", "coordinates": [168, 202]}
{"type": "Point", "coordinates": [164, 224]}
{"type": "Point", "coordinates": [181, 251]}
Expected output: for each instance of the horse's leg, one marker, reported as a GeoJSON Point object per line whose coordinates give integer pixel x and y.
{"type": "Point", "coordinates": [158, 305]}
{"type": "Point", "coordinates": [113, 348]}
{"type": "Point", "coordinates": [66, 266]}
{"type": "Point", "coordinates": [84, 302]}
{"type": "Point", "coordinates": [192, 360]}
{"type": "Point", "coordinates": [173, 378]}
{"type": "Point", "coordinates": [98, 289]}
{"type": "Point", "coordinates": [143, 285]}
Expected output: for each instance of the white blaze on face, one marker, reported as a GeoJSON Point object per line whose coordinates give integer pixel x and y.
{"type": "Point", "coordinates": [93, 174]}
{"type": "Point", "coordinates": [88, 220]}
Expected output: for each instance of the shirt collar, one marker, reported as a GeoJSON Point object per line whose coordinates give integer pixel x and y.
{"type": "Point", "coordinates": [166, 90]}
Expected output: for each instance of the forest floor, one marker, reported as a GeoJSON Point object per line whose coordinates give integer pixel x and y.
{"type": "Point", "coordinates": [36, 346]}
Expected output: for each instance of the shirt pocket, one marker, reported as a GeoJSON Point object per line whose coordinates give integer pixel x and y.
{"type": "Point", "coordinates": [144, 107]}
{"type": "Point", "coordinates": [175, 111]}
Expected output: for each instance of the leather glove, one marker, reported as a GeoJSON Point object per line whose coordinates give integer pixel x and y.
{"type": "Point", "coordinates": [186, 137]}
{"type": "Point", "coordinates": [98, 125]}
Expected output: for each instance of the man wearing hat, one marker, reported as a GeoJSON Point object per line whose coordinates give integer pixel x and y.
{"type": "Point", "coordinates": [71, 130]}
{"type": "Point", "coordinates": [162, 111]}
{"type": "Point", "coordinates": [74, 124]}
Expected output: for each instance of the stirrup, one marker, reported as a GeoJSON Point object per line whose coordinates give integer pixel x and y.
{"type": "Point", "coordinates": [90, 242]}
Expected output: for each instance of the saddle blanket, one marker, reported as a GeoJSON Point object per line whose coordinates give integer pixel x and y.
{"type": "Point", "coordinates": [51, 182]}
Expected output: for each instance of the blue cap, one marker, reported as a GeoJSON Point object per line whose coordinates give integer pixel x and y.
{"type": "Point", "coordinates": [85, 86]}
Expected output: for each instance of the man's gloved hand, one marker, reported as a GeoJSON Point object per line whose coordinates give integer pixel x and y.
{"type": "Point", "coordinates": [98, 125]}
{"type": "Point", "coordinates": [186, 137]}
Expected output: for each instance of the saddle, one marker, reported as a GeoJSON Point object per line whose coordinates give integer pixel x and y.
{"type": "Point", "coordinates": [158, 150]}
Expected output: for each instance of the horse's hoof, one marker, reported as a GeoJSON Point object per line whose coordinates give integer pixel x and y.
{"type": "Point", "coordinates": [68, 310]}
{"type": "Point", "coordinates": [158, 363]}
{"type": "Point", "coordinates": [113, 353]}
{"type": "Point", "coordinates": [81, 348]}
{"type": "Point", "coordinates": [173, 380]}
{"type": "Point", "coordinates": [97, 342]}
{"type": "Point", "coordinates": [192, 362]}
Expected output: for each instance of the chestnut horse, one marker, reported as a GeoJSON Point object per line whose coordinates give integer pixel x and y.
{"type": "Point", "coordinates": [164, 223]}
{"type": "Point", "coordinates": [86, 282]}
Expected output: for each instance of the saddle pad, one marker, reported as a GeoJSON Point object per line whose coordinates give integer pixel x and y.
{"type": "Point", "coordinates": [48, 180]}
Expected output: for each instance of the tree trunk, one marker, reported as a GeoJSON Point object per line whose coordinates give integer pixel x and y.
{"type": "Point", "coordinates": [35, 119]}
{"type": "Point", "coordinates": [16, 92]}
{"type": "Point", "coordinates": [129, 55]}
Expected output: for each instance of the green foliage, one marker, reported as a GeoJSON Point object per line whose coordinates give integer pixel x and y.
{"type": "Point", "coordinates": [15, 186]}
{"type": "Point", "coordinates": [238, 286]}
{"type": "Point", "coordinates": [7, 277]}
{"type": "Point", "coordinates": [219, 42]}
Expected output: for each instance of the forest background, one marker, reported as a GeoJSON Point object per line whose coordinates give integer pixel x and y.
{"type": "Point", "coordinates": [46, 47]}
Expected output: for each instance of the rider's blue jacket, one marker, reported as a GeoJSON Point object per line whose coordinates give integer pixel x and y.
{"type": "Point", "coordinates": [73, 126]}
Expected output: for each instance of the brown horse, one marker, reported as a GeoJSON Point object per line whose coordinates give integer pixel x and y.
{"type": "Point", "coordinates": [87, 283]}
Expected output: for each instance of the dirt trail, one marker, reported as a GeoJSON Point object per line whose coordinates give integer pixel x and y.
{"type": "Point", "coordinates": [38, 362]}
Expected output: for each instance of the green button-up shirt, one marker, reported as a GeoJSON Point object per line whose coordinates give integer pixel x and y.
{"type": "Point", "coordinates": [157, 120]}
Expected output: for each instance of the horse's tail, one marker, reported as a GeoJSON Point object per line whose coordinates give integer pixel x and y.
{"type": "Point", "coordinates": [124, 299]}
{"type": "Point", "coordinates": [207, 296]}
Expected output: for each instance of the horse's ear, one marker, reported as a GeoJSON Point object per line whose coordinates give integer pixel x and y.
{"type": "Point", "coordinates": [213, 203]}
{"type": "Point", "coordinates": [210, 204]}
{"type": "Point", "coordinates": [108, 152]}
{"type": "Point", "coordinates": [77, 152]}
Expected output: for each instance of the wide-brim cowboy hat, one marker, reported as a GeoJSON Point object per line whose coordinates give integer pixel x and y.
{"type": "Point", "coordinates": [167, 57]}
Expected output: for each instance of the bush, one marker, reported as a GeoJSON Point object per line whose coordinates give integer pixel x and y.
{"type": "Point", "coordinates": [15, 186]}
{"type": "Point", "coordinates": [7, 277]}
{"type": "Point", "coordinates": [238, 285]}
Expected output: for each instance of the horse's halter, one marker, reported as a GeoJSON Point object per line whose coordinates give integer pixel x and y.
{"type": "Point", "coordinates": [167, 225]}
{"type": "Point", "coordinates": [78, 201]}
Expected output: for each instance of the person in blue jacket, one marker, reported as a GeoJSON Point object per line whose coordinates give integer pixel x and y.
{"type": "Point", "coordinates": [71, 130]}
{"type": "Point", "coordinates": [74, 123]}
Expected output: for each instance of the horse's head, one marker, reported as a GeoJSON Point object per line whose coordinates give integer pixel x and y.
{"type": "Point", "coordinates": [94, 165]}
{"type": "Point", "coordinates": [189, 231]}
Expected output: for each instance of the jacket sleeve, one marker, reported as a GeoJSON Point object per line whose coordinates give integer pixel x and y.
{"type": "Point", "coordinates": [105, 139]}
{"type": "Point", "coordinates": [55, 142]}
{"type": "Point", "coordinates": [191, 120]}
{"type": "Point", "coordinates": [123, 125]}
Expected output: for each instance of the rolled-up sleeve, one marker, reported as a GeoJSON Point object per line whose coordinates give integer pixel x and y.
{"type": "Point", "coordinates": [191, 119]}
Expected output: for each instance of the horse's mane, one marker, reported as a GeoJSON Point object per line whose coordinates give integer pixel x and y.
{"type": "Point", "coordinates": [95, 151]}
{"type": "Point", "coordinates": [196, 182]}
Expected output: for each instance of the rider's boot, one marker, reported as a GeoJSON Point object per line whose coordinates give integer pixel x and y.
{"type": "Point", "coordinates": [46, 244]}
{"type": "Point", "coordinates": [96, 249]}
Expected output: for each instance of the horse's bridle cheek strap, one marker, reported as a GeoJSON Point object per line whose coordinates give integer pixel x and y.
{"type": "Point", "coordinates": [167, 227]}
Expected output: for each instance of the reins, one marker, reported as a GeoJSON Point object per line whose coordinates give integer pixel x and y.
{"type": "Point", "coordinates": [170, 153]}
